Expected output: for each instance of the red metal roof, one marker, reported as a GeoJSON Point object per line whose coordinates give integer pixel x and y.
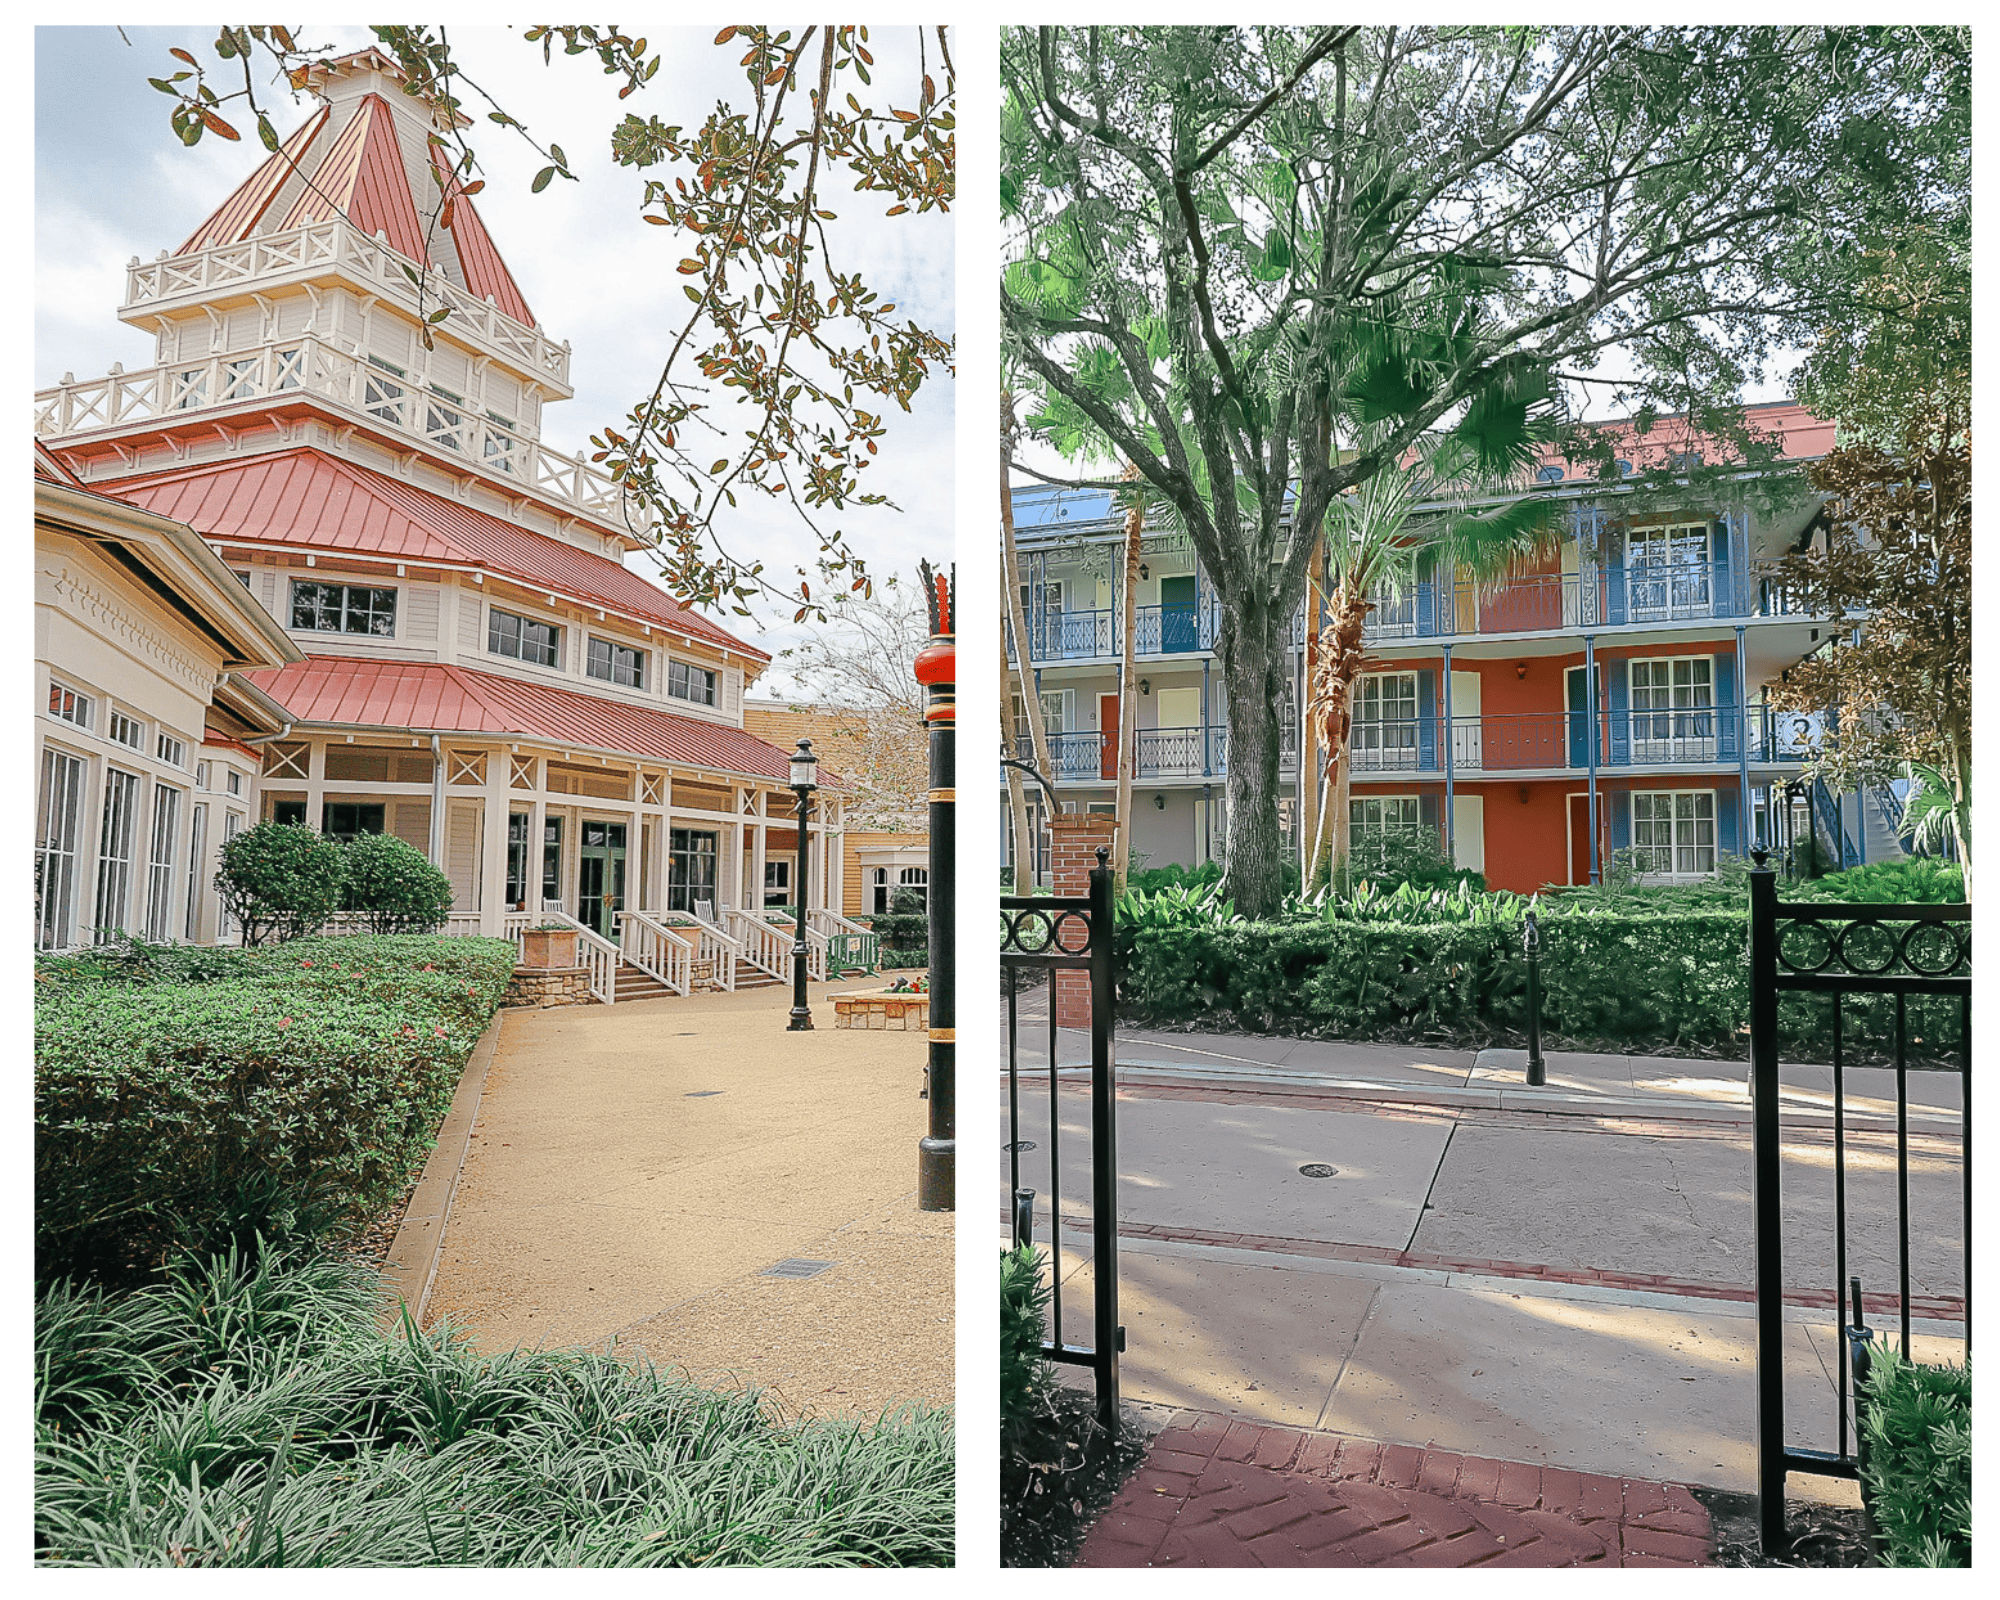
{"type": "Point", "coordinates": [1800, 435]}
{"type": "Point", "coordinates": [485, 273]}
{"type": "Point", "coordinates": [349, 691]}
{"type": "Point", "coordinates": [362, 179]}
{"type": "Point", "coordinates": [237, 217]}
{"type": "Point", "coordinates": [307, 499]}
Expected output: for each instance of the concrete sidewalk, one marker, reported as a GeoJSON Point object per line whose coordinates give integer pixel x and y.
{"type": "Point", "coordinates": [637, 1168]}
{"type": "Point", "coordinates": [1558, 1276]}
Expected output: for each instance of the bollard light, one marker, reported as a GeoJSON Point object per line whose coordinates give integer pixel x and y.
{"type": "Point", "coordinates": [805, 773]}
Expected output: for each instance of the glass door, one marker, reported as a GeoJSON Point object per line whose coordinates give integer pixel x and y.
{"type": "Point", "coordinates": [691, 871]}
{"type": "Point", "coordinates": [1177, 617]}
{"type": "Point", "coordinates": [600, 876]}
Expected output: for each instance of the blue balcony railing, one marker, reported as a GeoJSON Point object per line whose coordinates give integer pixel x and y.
{"type": "Point", "coordinates": [1548, 740]}
{"type": "Point", "coordinates": [1162, 753]}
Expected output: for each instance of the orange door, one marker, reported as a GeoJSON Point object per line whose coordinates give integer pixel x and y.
{"type": "Point", "coordinates": [1107, 722]}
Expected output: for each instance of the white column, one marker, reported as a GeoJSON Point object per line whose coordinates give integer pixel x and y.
{"type": "Point", "coordinates": [759, 849]}
{"type": "Point", "coordinates": [493, 844]}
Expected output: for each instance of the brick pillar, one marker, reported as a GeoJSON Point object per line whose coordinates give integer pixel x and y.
{"type": "Point", "coordinates": [1077, 839]}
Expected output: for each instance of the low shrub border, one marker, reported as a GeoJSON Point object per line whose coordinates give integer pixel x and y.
{"type": "Point", "coordinates": [1916, 1423]}
{"type": "Point", "coordinates": [285, 1093]}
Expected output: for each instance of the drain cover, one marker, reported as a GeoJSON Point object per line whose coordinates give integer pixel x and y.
{"type": "Point", "coordinates": [700, 1094]}
{"type": "Point", "coordinates": [795, 1267]}
{"type": "Point", "coordinates": [1020, 1144]}
{"type": "Point", "coordinates": [1318, 1169]}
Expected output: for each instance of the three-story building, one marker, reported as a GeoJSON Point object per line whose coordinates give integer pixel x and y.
{"type": "Point", "coordinates": [1612, 696]}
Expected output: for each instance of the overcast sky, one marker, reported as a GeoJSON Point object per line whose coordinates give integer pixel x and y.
{"type": "Point", "coordinates": [112, 182]}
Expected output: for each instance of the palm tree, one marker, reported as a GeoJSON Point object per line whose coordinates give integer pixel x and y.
{"type": "Point", "coordinates": [1405, 522]}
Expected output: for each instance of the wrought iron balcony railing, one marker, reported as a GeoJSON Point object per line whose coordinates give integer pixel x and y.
{"type": "Point", "coordinates": [1162, 753]}
{"type": "Point", "coordinates": [1549, 740]}
{"type": "Point", "coordinates": [1556, 602]}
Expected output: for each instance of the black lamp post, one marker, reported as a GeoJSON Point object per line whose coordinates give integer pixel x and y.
{"type": "Point", "coordinates": [804, 766]}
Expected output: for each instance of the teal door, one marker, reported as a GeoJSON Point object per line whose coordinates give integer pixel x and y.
{"type": "Point", "coordinates": [600, 876]}
{"type": "Point", "coordinates": [1178, 630]}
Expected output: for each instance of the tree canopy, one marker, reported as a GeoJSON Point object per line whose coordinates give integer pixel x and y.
{"type": "Point", "coordinates": [1262, 264]}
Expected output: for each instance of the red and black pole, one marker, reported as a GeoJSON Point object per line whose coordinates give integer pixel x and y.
{"type": "Point", "coordinates": [937, 671]}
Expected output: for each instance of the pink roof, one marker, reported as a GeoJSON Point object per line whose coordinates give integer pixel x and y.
{"type": "Point", "coordinates": [238, 216]}
{"type": "Point", "coordinates": [349, 691]}
{"type": "Point", "coordinates": [362, 179]}
{"type": "Point", "coordinates": [1801, 436]}
{"type": "Point", "coordinates": [485, 273]}
{"type": "Point", "coordinates": [305, 499]}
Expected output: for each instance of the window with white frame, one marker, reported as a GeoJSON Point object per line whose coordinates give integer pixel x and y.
{"type": "Point", "coordinates": [616, 663]}
{"type": "Point", "coordinates": [523, 638]}
{"type": "Point", "coordinates": [114, 852]}
{"type": "Point", "coordinates": [170, 750]}
{"type": "Point", "coordinates": [1673, 832]}
{"type": "Point", "coordinates": [67, 705]}
{"type": "Point", "coordinates": [1381, 814]}
{"type": "Point", "coordinates": [688, 682]}
{"type": "Point", "coordinates": [128, 731]}
{"type": "Point", "coordinates": [379, 396]}
{"type": "Point", "coordinates": [343, 608]}
{"type": "Point", "coordinates": [235, 782]}
{"type": "Point", "coordinates": [1668, 569]}
{"type": "Point", "coordinates": [160, 863]}
{"type": "Point", "coordinates": [197, 848]}
{"type": "Point", "coordinates": [202, 771]}
{"type": "Point", "coordinates": [63, 778]}
{"type": "Point", "coordinates": [913, 891]}
{"type": "Point", "coordinates": [1672, 698]}
{"type": "Point", "coordinates": [1385, 721]}
{"type": "Point", "coordinates": [232, 825]}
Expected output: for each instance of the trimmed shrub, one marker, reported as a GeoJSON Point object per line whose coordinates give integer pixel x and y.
{"type": "Point", "coordinates": [285, 1101]}
{"type": "Point", "coordinates": [280, 879]}
{"type": "Point", "coordinates": [393, 887]}
{"type": "Point", "coordinates": [1024, 1304]}
{"type": "Point", "coordinates": [1917, 1424]}
{"type": "Point", "coordinates": [899, 930]}
{"type": "Point", "coordinates": [894, 959]}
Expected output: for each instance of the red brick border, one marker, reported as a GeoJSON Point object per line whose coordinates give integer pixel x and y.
{"type": "Point", "coordinates": [1220, 1492]}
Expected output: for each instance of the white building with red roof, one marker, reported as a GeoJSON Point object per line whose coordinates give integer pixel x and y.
{"type": "Point", "coordinates": [479, 673]}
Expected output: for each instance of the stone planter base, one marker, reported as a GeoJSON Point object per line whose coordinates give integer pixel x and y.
{"type": "Point", "coordinates": [548, 986]}
{"type": "Point", "coordinates": [906, 1012]}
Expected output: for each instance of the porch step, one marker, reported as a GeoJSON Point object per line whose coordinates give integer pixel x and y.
{"type": "Point", "coordinates": [633, 984]}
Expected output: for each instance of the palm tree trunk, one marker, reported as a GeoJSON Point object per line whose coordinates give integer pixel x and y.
{"type": "Point", "coordinates": [1017, 800]}
{"type": "Point", "coordinates": [1011, 581]}
{"type": "Point", "coordinates": [1340, 671]}
{"type": "Point", "coordinates": [1311, 784]}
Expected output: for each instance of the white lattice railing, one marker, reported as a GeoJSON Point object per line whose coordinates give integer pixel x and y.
{"type": "Point", "coordinates": [309, 365]}
{"type": "Point", "coordinates": [593, 950]}
{"type": "Point", "coordinates": [657, 950]}
{"type": "Point", "coordinates": [463, 924]}
{"type": "Point", "coordinates": [312, 250]}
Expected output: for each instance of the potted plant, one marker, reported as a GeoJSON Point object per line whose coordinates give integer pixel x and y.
{"type": "Point", "coordinates": [548, 946]}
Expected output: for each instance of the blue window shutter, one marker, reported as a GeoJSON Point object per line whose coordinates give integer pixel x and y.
{"type": "Point", "coordinates": [1728, 816]}
{"type": "Point", "coordinates": [1621, 713]}
{"type": "Point", "coordinates": [1723, 570]}
{"type": "Point", "coordinates": [1727, 698]}
{"type": "Point", "coordinates": [1579, 718]}
{"type": "Point", "coordinates": [1427, 730]}
{"type": "Point", "coordinates": [1614, 554]}
{"type": "Point", "coordinates": [1619, 804]}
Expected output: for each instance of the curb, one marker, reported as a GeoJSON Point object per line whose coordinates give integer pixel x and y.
{"type": "Point", "coordinates": [410, 1268]}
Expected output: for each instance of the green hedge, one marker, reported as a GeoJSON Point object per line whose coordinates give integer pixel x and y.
{"type": "Point", "coordinates": [292, 1092]}
{"type": "Point", "coordinates": [900, 930]}
{"type": "Point", "coordinates": [1608, 979]}
{"type": "Point", "coordinates": [892, 960]}
{"type": "Point", "coordinates": [1917, 1422]}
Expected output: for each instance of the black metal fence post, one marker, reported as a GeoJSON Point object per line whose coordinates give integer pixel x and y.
{"type": "Point", "coordinates": [1103, 1144]}
{"type": "Point", "coordinates": [1531, 947]}
{"type": "Point", "coordinates": [936, 669]}
{"type": "Point", "coordinates": [1769, 1221]}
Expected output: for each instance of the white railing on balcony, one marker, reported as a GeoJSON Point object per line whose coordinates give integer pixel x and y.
{"type": "Point", "coordinates": [316, 248]}
{"type": "Point", "coordinates": [661, 952]}
{"type": "Point", "coordinates": [593, 950]}
{"type": "Point", "coordinates": [308, 365]}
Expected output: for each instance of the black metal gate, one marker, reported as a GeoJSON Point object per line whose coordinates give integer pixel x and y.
{"type": "Point", "coordinates": [1058, 935]}
{"type": "Point", "coordinates": [1899, 951]}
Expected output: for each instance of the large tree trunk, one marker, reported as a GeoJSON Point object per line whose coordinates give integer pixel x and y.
{"type": "Point", "coordinates": [1128, 692]}
{"type": "Point", "coordinates": [1253, 643]}
{"type": "Point", "coordinates": [1010, 576]}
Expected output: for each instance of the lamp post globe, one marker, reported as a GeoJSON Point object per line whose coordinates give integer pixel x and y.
{"type": "Point", "coordinates": [805, 768]}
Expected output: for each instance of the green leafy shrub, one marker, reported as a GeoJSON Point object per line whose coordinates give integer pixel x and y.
{"type": "Point", "coordinates": [1917, 1424]}
{"type": "Point", "coordinates": [286, 1101]}
{"type": "Point", "coordinates": [892, 960]}
{"type": "Point", "coordinates": [247, 1411]}
{"type": "Point", "coordinates": [1921, 880]}
{"type": "Point", "coordinates": [1024, 1304]}
{"type": "Point", "coordinates": [392, 886]}
{"type": "Point", "coordinates": [280, 879]}
{"type": "Point", "coordinates": [1392, 857]}
{"type": "Point", "coordinates": [899, 930]}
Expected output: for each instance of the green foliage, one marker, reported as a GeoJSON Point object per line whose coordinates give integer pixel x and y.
{"type": "Point", "coordinates": [1024, 1305]}
{"type": "Point", "coordinates": [1916, 1421]}
{"type": "Point", "coordinates": [1388, 858]}
{"type": "Point", "coordinates": [247, 1411]}
{"type": "Point", "coordinates": [1448, 962]}
{"type": "Point", "coordinates": [285, 1098]}
{"type": "Point", "coordinates": [1174, 876]}
{"type": "Point", "coordinates": [1921, 880]}
{"type": "Point", "coordinates": [907, 903]}
{"type": "Point", "coordinates": [893, 959]}
{"type": "Point", "coordinates": [393, 886]}
{"type": "Point", "coordinates": [899, 930]}
{"type": "Point", "coordinates": [280, 879]}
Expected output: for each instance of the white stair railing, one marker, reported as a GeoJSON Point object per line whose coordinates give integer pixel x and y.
{"type": "Point", "coordinates": [661, 952]}
{"type": "Point", "coordinates": [766, 948]}
{"type": "Point", "coordinates": [720, 952]}
{"type": "Point", "coordinates": [593, 950]}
